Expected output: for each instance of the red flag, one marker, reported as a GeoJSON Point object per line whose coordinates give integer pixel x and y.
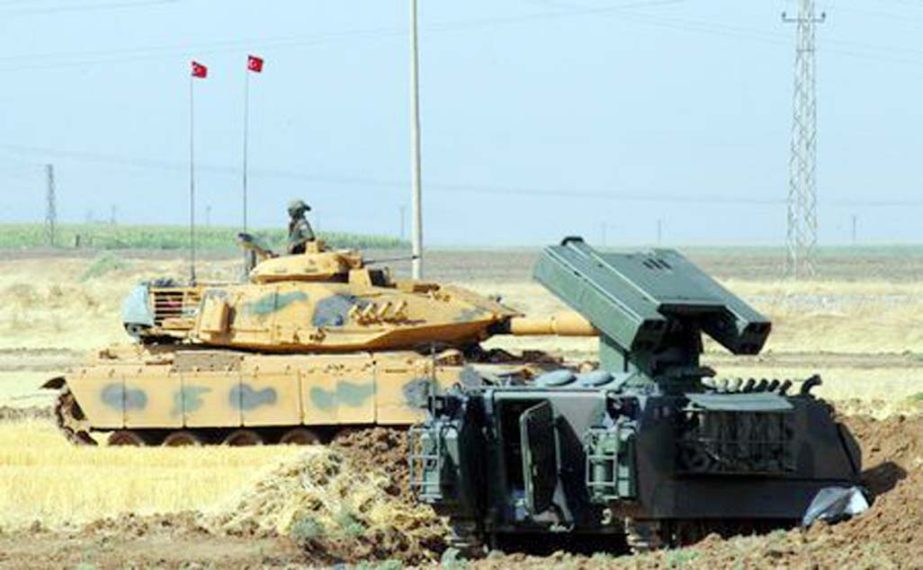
{"type": "Point", "coordinates": [199, 70]}
{"type": "Point", "coordinates": [254, 64]}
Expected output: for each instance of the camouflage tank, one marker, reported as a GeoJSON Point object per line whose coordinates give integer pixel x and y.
{"type": "Point", "coordinates": [649, 448]}
{"type": "Point", "coordinates": [311, 344]}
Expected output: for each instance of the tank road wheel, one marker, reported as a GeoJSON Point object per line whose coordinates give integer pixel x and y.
{"type": "Point", "coordinates": [642, 535]}
{"type": "Point", "coordinates": [182, 438]}
{"type": "Point", "coordinates": [243, 437]}
{"type": "Point", "coordinates": [299, 436]}
{"type": "Point", "coordinates": [71, 420]}
{"type": "Point", "coordinates": [126, 437]}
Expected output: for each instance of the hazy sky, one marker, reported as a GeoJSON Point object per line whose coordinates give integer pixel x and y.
{"type": "Point", "coordinates": [541, 118]}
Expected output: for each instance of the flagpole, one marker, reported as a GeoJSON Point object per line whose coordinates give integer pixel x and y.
{"type": "Point", "coordinates": [192, 275]}
{"type": "Point", "coordinates": [246, 142]}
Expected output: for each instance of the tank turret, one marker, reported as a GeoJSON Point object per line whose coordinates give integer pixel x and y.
{"type": "Point", "coordinates": [328, 301]}
{"type": "Point", "coordinates": [321, 301]}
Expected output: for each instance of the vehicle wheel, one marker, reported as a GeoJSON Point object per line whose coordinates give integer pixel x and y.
{"type": "Point", "coordinates": [299, 436]}
{"type": "Point", "coordinates": [126, 437]}
{"type": "Point", "coordinates": [182, 439]}
{"type": "Point", "coordinates": [243, 437]}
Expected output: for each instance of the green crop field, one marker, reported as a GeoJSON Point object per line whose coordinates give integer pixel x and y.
{"type": "Point", "coordinates": [105, 236]}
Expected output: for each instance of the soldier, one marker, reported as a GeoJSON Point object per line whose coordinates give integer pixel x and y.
{"type": "Point", "coordinates": [299, 230]}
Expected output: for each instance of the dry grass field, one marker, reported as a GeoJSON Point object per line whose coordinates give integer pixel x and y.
{"type": "Point", "coordinates": [863, 333]}
{"type": "Point", "coordinates": [44, 478]}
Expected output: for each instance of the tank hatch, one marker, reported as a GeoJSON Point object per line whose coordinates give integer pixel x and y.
{"type": "Point", "coordinates": [315, 264]}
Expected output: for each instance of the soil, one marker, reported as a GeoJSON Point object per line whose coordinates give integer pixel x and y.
{"type": "Point", "coordinates": [364, 475]}
{"type": "Point", "coordinates": [368, 450]}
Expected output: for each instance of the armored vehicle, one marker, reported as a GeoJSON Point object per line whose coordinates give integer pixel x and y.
{"type": "Point", "coordinates": [650, 447]}
{"type": "Point", "coordinates": [311, 344]}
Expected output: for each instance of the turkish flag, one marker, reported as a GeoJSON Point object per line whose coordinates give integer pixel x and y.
{"type": "Point", "coordinates": [255, 64]}
{"type": "Point", "coordinates": [199, 70]}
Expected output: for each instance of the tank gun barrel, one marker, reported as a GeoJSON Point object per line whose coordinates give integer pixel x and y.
{"type": "Point", "coordinates": [391, 259]}
{"type": "Point", "coordinates": [566, 323]}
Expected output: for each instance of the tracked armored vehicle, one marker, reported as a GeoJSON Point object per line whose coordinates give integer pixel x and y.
{"type": "Point", "coordinates": [310, 345]}
{"type": "Point", "coordinates": [651, 447]}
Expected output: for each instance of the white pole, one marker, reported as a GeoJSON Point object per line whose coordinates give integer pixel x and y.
{"type": "Point", "coordinates": [192, 276]}
{"type": "Point", "coordinates": [417, 206]}
{"type": "Point", "coordinates": [246, 137]}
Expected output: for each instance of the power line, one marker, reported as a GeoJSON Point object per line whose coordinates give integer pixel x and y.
{"type": "Point", "coordinates": [628, 11]}
{"type": "Point", "coordinates": [639, 196]}
{"type": "Point", "coordinates": [68, 59]}
{"type": "Point", "coordinates": [84, 8]}
{"type": "Point", "coordinates": [162, 165]}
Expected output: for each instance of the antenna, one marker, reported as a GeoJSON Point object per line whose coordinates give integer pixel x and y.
{"type": "Point", "coordinates": [801, 233]}
{"type": "Point", "coordinates": [51, 210]}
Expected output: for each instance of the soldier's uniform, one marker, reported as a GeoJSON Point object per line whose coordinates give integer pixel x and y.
{"type": "Point", "coordinates": [299, 230]}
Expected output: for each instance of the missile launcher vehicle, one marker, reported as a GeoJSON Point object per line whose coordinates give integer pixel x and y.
{"type": "Point", "coordinates": [650, 448]}
{"type": "Point", "coordinates": [311, 344]}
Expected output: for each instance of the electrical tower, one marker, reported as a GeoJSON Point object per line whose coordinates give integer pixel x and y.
{"type": "Point", "coordinates": [51, 211]}
{"type": "Point", "coordinates": [801, 236]}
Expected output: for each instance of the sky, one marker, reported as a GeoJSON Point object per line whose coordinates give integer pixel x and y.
{"type": "Point", "coordinates": [540, 118]}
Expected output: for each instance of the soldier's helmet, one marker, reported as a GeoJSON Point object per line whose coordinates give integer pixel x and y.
{"type": "Point", "coordinates": [297, 207]}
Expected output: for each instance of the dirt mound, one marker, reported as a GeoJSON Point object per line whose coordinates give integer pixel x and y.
{"type": "Point", "coordinates": [891, 448]}
{"type": "Point", "coordinates": [376, 449]}
{"type": "Point", "coordinates": [340, 504]}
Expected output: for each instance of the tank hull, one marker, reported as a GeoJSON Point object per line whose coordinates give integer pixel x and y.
{"type": "Point", "coordinates": [214, 393]}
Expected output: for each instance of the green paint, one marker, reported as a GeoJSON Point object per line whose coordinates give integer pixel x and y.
{"type": "Point", "coordinates": [472, 314]}
{"type": "Point", "coordinates": [118, 397]}
{"type": "Point", "coordinates": [272, 302]}
{"type": "Point", "coordinates": [349, 394]}
{"type": "Point", "coordinates": [244, 397]}
{"type": "Point", "coordinates": [188, 399]}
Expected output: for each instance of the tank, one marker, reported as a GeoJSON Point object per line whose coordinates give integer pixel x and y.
{"type": "Point", "coordinates": [311, 344]}
{"type": "Point", "coordinates": [648, 450]}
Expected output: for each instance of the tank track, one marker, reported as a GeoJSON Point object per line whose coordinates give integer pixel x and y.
{"type": "Point", "coordinates": [70, 419]}
{"type": "Point", "coordinates": [466, 539]}
{"type": "Point", "coordinates": [642, 535]}
{"type": "Point", "coordinates": [645, 535]}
